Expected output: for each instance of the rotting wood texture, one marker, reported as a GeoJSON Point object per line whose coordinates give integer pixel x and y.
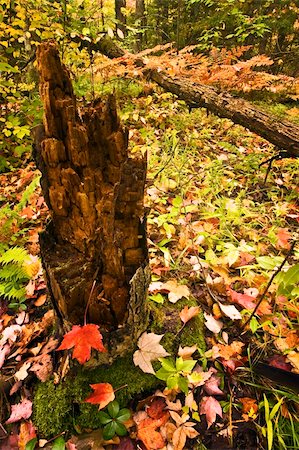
{"type": "Point", "coordinates": [94, 191]}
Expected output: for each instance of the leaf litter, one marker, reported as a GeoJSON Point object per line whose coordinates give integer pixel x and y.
{"type": "Point", "coordinates": [204, 243]}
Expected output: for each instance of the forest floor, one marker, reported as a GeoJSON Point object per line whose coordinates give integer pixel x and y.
{"type": "Point", "coordinates": [218, 232]}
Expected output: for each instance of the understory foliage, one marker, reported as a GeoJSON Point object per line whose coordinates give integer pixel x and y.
{"type": "Point", "coordinates": [221, 237]}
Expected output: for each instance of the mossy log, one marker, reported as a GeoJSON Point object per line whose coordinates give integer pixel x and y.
{"type": "Point", "coordinates": [94, 250]}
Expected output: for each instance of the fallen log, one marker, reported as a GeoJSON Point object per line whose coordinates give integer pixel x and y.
{"type": "Point", "coordinates": [283, 134]}
{"type": "Point", "coordinates": [94, 249]}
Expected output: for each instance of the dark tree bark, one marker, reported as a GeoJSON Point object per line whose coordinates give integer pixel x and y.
{"type": "Point", "coordinates": [119, 16]}
{"type": "Point", "coordinates": [141, 18]}
{"type": "Point", "coordinates": [94, 191]}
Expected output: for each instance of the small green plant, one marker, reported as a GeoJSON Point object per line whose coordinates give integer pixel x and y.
{"type": "Point", "coordinates": [13, 276]}
{"type": "Point", "coordinates": [271, 422]}
{"type": "Point", "coordinates": [174, 373]}
{"type": "Point", "coordinates": [113, 420]}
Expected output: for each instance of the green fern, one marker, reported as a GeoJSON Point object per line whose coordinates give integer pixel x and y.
{"type": "Point", "coordinates": [14, 255]}
{"type": "Point", "coordinates": [13, 276]}
{"type": "Point", "coordinates": [12, 271]}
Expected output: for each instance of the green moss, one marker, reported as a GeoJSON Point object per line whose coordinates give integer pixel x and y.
{"type": "Point", "coordinates": [165, 320]}
{"type": "Point", "coordinates": [52, 408]}
{"type": "Point", "coordinates": [61, 407]}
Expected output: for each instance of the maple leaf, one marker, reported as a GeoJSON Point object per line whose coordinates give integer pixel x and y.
{"type": "Point", "coordinates": [150, 349]}
{"type": "Point", "coordinates": [210, 407]}
{"type": "Point", "coordinates": [83, 339]}
{"type": "Point", "coordinates": [244, 300]}
{"type": "Point", "coordinates": [212, 324]}
{"type": "Point", "coordinates": [188, 313]}
{"type": "Point", "coordinates": [283, 237]}
{"type": "Point", "coordinates": [181, 433]}
{"type": "Point", "coordinates": [102, 395]}
{"type": "Point", "coordinates": [20, 411]}
{"type": "Point", "coordinates": [211, 386]}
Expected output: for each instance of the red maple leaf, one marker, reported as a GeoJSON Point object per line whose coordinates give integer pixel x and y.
{"type": "Point", "coordinates": [102, 395]}
{"type": "Point", "coordinates": [83, 339]}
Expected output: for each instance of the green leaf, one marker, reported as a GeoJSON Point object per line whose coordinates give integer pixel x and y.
{"type": "Point", "coordinates": [31, 444]}
{"type": "Point", "coordinates": [269, 434]}
{"type": "Point", "coordinates": [59, 444]}
{"type": "Point", "coordinates": [188, 365]}
{"type": "Point", "coordinates": [173, 381]}
{"type": "Point", "coordinates": [269, 262]}
{"type": "Point", "coordinates": [183, 385]}
{"type": "Point", "coordinates": [104, 418]}
{"type": "Point", "coordinates": [168, 364]}
{"type": "Point", "coordinates": [120, 429]}
{"type": "Point", "coordinates": [253, 324]}
{"type": "Point", "coordinates": [276, 408]}
{"type": "Point", "coordinates": [162, 374]}
{"type": "Point", "coordinates": [291, 276]}
{"type": "Point", "coordinates": [124, 415]}
{"type": "Point", "coordinates": [109, 430]}
{"type": "Point", "coordinates": [179, 364]}
{"type": "Point", "coordinates": [113, 408]}
{"type": "Point", "coordinates": [158, 298]}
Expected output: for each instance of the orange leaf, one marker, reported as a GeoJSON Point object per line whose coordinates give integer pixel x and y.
{"type": "Point", "coordinates": [283, 237]}
{"type": "Point", "coordinates": [102, 395]}
{"type": "Point", "coordinates": [83, 339]}
{"type": "Point", "coordinates": [187, 313]}
{"type": "Point", "coordinates": [147, 432]}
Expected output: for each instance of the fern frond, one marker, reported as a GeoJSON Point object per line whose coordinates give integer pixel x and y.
{"type": "Point", "coordinates": [12, 271]}
{"type": "Point", "coordinates": [14, 255]}
{"type": "Point", "coordinates": [10, 292]}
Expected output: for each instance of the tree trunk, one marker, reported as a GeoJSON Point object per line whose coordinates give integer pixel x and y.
{"type": "Point", "coordinates": [119, 16]}
{"type": "Point", "coordinates": [282, 134]}
{"type": "Point", "coordinates": [94, 191]}
{"type": "Point", "coordinates": [141, 23]}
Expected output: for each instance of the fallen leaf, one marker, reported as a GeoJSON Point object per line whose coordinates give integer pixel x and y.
{"type": "Point", "coordinates": [227, 351]}
{"type": "Point", "coordinates": [188, 313]}
{"type": "Point", "coordinates": [230, 311]}
{"type": "Point", "coordinates": [212, 324]}
{"type": "Point", "coordinates": [20, 411]}
{"type": "Point", "coordinates": [42, 367]}
{"type": "Point", "coordinates": [147, 432]}
{"type": "Point", "coordinates": [187, 352]}
{"type": "Point", "coordinates": [175, 291]}
{"type": "Point", "coordinates": [210, 407]}
{"type": "Point", "coordinates": [41, 300]}
{"type": "Point", "coordinates": [22, 373]}
{"type": "Point", "coordinates": [157, 408]}
{"type": "Point", "coordinates": [211, 386]}
{"type": "Point", "coordinates": [4, 351]}
{"type": "Point", "coordinates": [244, 300]}
{"type": "Point", "coordinates": [293, 357]}
{"type": "Point", "coordinates": [102, 395]}
{"type": "Point", "coordinates": [83, 339]}
{"type": "Point", "coordinates": [283, 238]}
{"type": "Point", "coordinates": [279, 361]}
{"type": "Point", "coordinates": [150, 349]}
{"type": "Point", "coordinates": [248, 404]}
{"type": "Point", "coordinates": [181, 433]}
{"type": "Point", "coordinates": [27, 433]}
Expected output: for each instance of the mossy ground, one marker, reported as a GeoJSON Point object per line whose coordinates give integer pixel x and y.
{"type": "Point", "coordinates": [61, 407]}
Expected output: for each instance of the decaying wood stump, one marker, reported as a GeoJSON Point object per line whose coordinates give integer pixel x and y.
{"type": "Point", "coordinates": [94, 191]}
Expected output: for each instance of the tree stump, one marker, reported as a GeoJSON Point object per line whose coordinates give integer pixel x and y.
{"type": "Point", "coordinates": [94, 248]}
